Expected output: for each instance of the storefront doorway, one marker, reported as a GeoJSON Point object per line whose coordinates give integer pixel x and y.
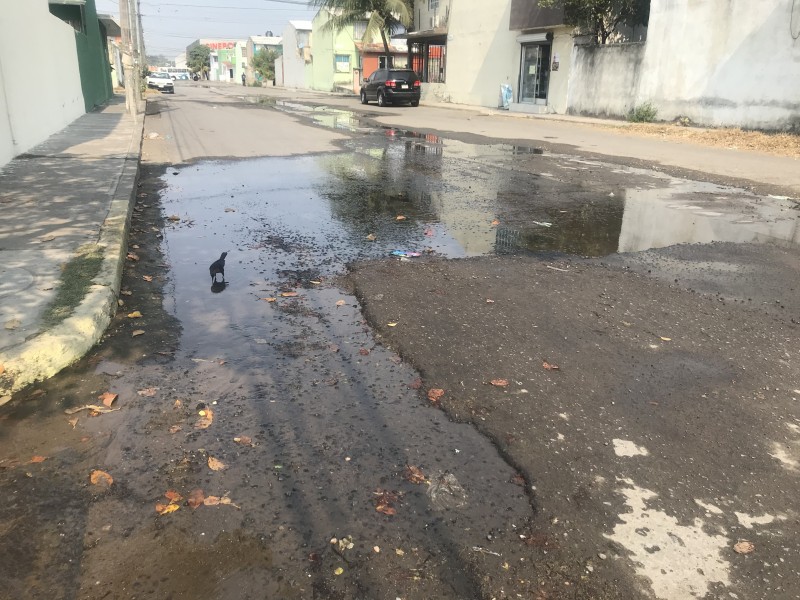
{"type": "Point", "coordinates": [534, 73]}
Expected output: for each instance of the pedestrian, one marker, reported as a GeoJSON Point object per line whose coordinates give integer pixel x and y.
{"type": "Point", "coordinates": [244, 79]}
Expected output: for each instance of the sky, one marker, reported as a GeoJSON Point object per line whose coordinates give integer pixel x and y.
{"type": "Point", "coordinates": [172, 25]}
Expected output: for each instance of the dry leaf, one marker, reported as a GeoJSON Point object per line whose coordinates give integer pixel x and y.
{"type": "Point", "coordinates": [495, 222]}
{"type": "Point", "coordinates": [148, 392]}
{"type": "Point", "coordinates": [338, 571]}
{"type": "Point", "coordinates": [165, 509]}
{"type": "Point", "coordinates": [177, 403]}
{"type": "Point", "coordinates": [414, 474]}
{"type": "Point", "coordinates": [2, 369]}
{"type": "Point", "coordinates": [135, 315]}
{"type": "Point", "coordinates": [91, 407]}
{"type": "Point", "coordinates": [211, 500]}
{"type": "Point", "coordinates": [743, 547]}
{"type": "Point", "coordinates": [174, 218]}
{"type": "Point", "coordinates": [132, 256]}
{"type": "Point", "coordinates": [270, 299]}
{"type": "Point", "coordinates": [196, 498]}
{"type": "Point", "coordinates": [416, 384]}
{"type": "Point", "coordinates": [384, 501]}
{"type": "Point", "coordinates": [400, 218]}
{"type": "Point", "coordinates": [399, 552]}
{"type": "Point", "coordinates": [126, 292]}
{"type": "Point", "coordinates": [289, 294]}
{"type": "Point", "coordinates": [108, 398]}
{"type": "Point", "coordinates": [38, 459]}
{"type": "Point", "coordinates": [73, 422]}
{"type": "Point", "coordinates": [434, 394]}
{"type": "Point", "coordinates": [244, 440]}
{"type": "Point", "coordinates": [372, 237]}
{"type": "Point", "coordinates": [550, 367]}
{"type": "Point", "coordinates": [215, 464]}
{"type": "Point", "coordinates": [98, 477]}
{"type": "Point", "coordinates": [666, 339]}
{"type": "Point", "coordinates": [499, 382]}
{"type": "Point", "coordinates": [392, 324]}
{"type": "Point", "coordinates": [340, 303]}
{"type": "Point", "coordinates": [147, 278]}
{"type": "Point", "coordinates": [175, 429]}
{"type": "Point", "coordinates": [364, 352]}
{"type": "Point", "coordinates": [173, 496]}
{"type": "Point", "coordinates": [205, 420]}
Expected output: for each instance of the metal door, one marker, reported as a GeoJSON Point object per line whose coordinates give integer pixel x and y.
{"type": "Point", "coordinates": [534, 73]}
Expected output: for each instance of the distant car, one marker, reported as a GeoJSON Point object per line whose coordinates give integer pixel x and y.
{"type": "Point", "coordinates": [181, 76]}
{"type": "Point", "coordinates": [161, 81]}
{"type": "Point", "coordinates": [391, 86]}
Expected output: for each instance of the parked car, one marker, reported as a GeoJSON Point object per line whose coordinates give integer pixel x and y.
{"type": "Point", "coordinates": [391, 86]}
{"type": "Point", "coordinates": [161, 81]}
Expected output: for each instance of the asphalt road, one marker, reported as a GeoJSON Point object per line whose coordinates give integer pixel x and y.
{"type": "Point", "coordinates": [277, 435]}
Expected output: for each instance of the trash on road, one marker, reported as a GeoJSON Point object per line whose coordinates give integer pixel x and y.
{"type": "Point", "coordinates": [414, 474]}
{"type": "Point", "coordinates": [445, 492]}
{"type": "Point", "coordinates": [405, 253]}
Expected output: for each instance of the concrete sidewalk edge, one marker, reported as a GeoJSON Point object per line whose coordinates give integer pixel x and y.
{"type": "Point", "coordinates": [50, 351]}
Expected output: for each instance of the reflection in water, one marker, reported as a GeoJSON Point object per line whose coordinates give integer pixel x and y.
{"type": "Point", "coordinates": [218, 286]}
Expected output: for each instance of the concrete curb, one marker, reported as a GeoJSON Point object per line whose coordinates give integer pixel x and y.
{"type": "Point", "coordinates": [50, 351]}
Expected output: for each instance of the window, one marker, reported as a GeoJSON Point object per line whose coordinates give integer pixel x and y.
{"type": "Point", "coordinates": [342, 63]}
{"type": "Point", "coordinates": [433, 4]}
{"type": "Point", "coordinates": [359, 29]}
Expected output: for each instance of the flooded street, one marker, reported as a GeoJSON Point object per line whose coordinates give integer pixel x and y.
{"type": "Point", "coordinates": [277, 436]}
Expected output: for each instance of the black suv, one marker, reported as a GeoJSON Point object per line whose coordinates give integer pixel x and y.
{"type": "Point", "coordinates": [389, 86]}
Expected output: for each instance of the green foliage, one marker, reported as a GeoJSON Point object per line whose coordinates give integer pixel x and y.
{"type": "Point", "coordinates": [600, 18]}
{"type": "Point", "coordinates": [264, 63]}
{"type": "Point", "coordinates": [383, 16]}
{"type": "Point", "coordinates": [198, 59]}
{"type": "Point", "coordinates": [643, 113]}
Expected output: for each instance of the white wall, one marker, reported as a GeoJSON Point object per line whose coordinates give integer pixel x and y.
{"type": "Point", "coordinates": [482, 53]}
{"type": "Point", "coordinates": [35, 102]}
{"type": "Point", "coordinates": [724, 62]}
{"type": "Point", "coordinates": [294, 65]}
{"type": "Point", "coordinates": [604, 80]}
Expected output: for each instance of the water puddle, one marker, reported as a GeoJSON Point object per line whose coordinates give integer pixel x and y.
{"type": "Point", "coordinates": [538, 202]}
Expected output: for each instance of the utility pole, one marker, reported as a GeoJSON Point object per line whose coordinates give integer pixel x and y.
{"type": "Point", "coordinates": [131, 61]}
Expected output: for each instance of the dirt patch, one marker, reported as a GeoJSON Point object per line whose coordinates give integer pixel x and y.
{"type": "Point", "coordinates": [778, 143]}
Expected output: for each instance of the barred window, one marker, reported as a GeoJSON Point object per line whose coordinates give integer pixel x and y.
{"type": "Point", "coordinates": [342, 63]}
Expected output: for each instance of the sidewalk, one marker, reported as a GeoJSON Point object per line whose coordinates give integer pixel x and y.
{"type": "Point", "coordinates": [66, 210]}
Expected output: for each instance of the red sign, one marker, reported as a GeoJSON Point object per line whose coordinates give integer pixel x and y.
{"type": "Point", "coordinates": [221, 45]}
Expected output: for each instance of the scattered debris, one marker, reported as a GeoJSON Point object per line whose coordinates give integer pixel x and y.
{"type": "Point", "coordinates": [205, 420]}
{"type": "Point", "coordinates": [446, 493]}
{"type": "Point", "coordinates": [38, 459]}
{"type": "Point", "coordinates": [550, 367]}
{"type": "Point", "coordinates": [435, 394]}
{"type": "Point", "coordinates": [91, 407]}
{"type": "Point", "coordinates": [385, 500]}
{"type": "Point", "coordinates": [244, 440]}
{"type": "Point", "coordinates": [484, 551]}
{"type": "Point", "coordinates": [101, 478]}
{"type": "Point", "coordinates": [744, 547]}
{"type": "Point", "coordinates": [414, 474]}
{"type": "Point", "coordinates": [557, 269]}
{"type": "Point", "coordinates": [215, 464]}
{"type": "Point", "coordinates": [107, 398]}
{"type": "Point", "coordinates": [405, 253]}
{"type": "Point", "coordinates": [137, 332]}
{"type": "Point", "coordinates": [148, 392]}
{"type": "Point", "coordinates": [499, 382]}
{"type": "Point", "coordinates": [135, 315]}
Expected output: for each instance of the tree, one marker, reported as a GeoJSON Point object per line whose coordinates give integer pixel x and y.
{"type": "Point", "coordinates": [264, 63]}
{"type": "Point", "coordinates": [601, 18]}
{"type": "Point", "coordinates": [381, 15]}
{"type": "Point", "coordinates": [198, 59]}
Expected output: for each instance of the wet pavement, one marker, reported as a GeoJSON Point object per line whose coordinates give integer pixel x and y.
{"type": "Point", "coordinates": [273, 396]}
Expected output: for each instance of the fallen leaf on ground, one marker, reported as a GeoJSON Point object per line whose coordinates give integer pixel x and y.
{"type": "Point", "coordinates": [217, 500]}
{"type": "Point", "coordinates": [174, 218]}
{"type": "Point", "coordinates": [338, 571]}
{"type": "Point", "coordinates": [173, 496]}
{"type": "Point", "coordinates": [550, 367]}
{"type": "Point", "coordinates": [270, 299]}
{"type": "Point", "coordinates": [489, 301]}
{"type": "Point", "coordinates": [244, 440]}
{"type": "Point", "coordinates": [289, 294]}
{"type": "Point", "coordinates": [400, 218]}
{"type": "Point", "coordinates": [399, 551]}
{"type": "Point", "coordinates": [135, 315]}
{"type": "Point", "coordinates": [2, 369]}
{"type": "Point", "coordinates": [205, 420]}
{"type": "Point", "coordinates": [392, 324]}
{"type": "Point", "coordinates": [340, 303]}
{"type": "Point", "coordinates": [73, 422]}
{"type": "Point", "coordinates": [384, 501]}
{"type": "Point", "coordinates": [434, 394]}
{"type": "Point", "coordinates": [148, 392]}
{"type": "Point", "coordinates": [132, 256]}
{"type": "Point", "coordinates": [364, 352]}
{"type": "Point", "coordinates": [165, 509]}
{"type": "Point", "coordinates": [215, 464]}
{"type": "Point", "coordinates": [518, 479]}
{"type": "Point", "coordinates": [372, 237]}
{"type": "Point", "coordinates": [98, 477]}
{"type": "Point", "coordinates": [743, 547]}
{"type": "Point", "coordinates": [38, 459]}
{"type": "Point", "coordinates": [108, 398]}
{"type": "Point", "coordinates": [175, 429]}
{"type": "Point", "coordinates": [126, 292]}
{"type": "Point", "coordinates": [147, 278]}
{"type": "Point", "coordinates": [196, 498]}
{"type": "Point", "coordinates": [666, 339]}
{"type": "Point", "coordinates": [416, 384]}
{"type": "Point", "coordinates": [495, 222]}
{"type": "Point", "coordinates": [137, 332]}
{"type": "Point", "coordinates": [499, 382]}
{"type": "Point", "coordinates": [414, 474]}
{"type": "Point", "coordinates": [177, 403]}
